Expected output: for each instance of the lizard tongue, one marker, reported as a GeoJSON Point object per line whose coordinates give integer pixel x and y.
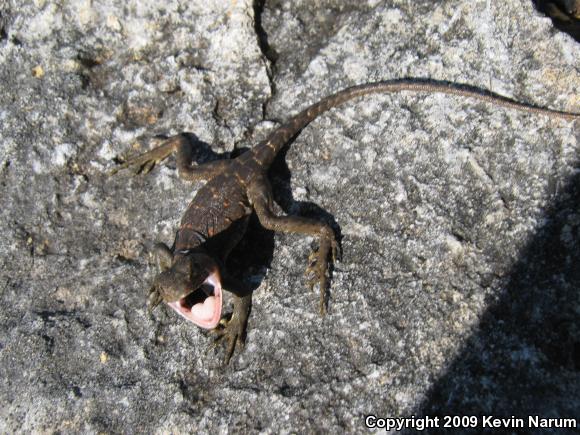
{"type": "Point", "coordinates": [205, 310]}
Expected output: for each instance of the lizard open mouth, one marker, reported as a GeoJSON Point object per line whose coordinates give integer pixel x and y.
{"type": "Point", "coordinates": [203, 306]}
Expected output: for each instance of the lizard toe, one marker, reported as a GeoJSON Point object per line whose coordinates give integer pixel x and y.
{"type": "Point", "coordinates": [145, 162]}
{"type": "Point", "coordinates": [146, 167]}
{"type": "Point", "coordinates": [154, 299]}
{"type": "Point", "coordinates": [336, 251]}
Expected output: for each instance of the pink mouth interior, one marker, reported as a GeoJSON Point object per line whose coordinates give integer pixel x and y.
{"type": "Point", "coordinates": [206, 314]}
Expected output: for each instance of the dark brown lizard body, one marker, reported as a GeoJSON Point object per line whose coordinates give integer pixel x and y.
{"type": "Point", "coordinates": [193, 270]}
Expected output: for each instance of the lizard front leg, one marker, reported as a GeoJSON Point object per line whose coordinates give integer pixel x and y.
{"type": "Point", "coordinates": [145, 162]}
{"type": "Point", "coordinates": [233, 329]}
{"type": "Point", "coordinates": [260, 196]}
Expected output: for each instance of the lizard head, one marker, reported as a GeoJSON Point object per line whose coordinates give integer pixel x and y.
{"type": "Point", "coordinates": [190, 284]}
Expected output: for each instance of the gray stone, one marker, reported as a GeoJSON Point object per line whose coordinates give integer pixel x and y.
{"type": "Point", "coordinates": [458, 288]}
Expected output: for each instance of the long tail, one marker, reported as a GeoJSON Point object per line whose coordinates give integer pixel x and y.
{"type": "Point", "coordinates": [268, 149]}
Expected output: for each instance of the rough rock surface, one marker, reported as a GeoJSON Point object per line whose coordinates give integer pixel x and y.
{"type": "Point", "coordinates": [458, 288]}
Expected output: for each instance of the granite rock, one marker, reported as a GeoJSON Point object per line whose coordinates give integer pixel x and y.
{"type": "Point", "coordinates": [457, 291]}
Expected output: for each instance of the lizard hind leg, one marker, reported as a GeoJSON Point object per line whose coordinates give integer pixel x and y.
{"type": "Point", "coordinates": [318, 270]}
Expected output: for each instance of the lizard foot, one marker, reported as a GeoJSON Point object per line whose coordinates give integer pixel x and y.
{"type": "Point", "coordinates": [233, 331]}
{"type": "Point", "coordinates": [145, 162]}
{"type": "Point", "coordinates": [317, 270]}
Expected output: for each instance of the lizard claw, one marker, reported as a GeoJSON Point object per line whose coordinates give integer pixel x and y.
{"type": "Point", "coordinates": [233, 331]}
{"type": "Point", "coordinates": [336, 251]}
{"type": "Point", "coordinates": [312, 273]}
{"type": "Point", "coordinates": [322, 280]}
{"type": "Point", "coordinates": [146, 167]}
{"type": "Point", "coordinates": [154, 299]}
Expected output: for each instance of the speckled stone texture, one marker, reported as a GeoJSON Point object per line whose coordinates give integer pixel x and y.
{"type": "Point", "coordinates": [458, 288]}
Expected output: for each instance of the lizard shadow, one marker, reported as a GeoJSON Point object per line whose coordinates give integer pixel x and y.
{"type": "Point", "coordinates": [280, 177]}
{"type": "Point", "coordinates": [253, 255]}
{"type": "Point", "coordinates": [201, 152]}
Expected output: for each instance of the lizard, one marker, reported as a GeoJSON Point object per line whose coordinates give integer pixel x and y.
{"type": "Point", "coordinates": [192, 274]}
